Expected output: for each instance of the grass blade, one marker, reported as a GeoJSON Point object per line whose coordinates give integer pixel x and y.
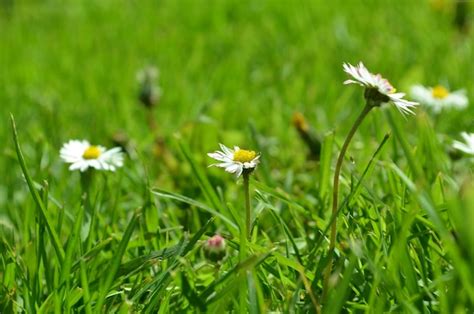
{"type": "Point", "coordinates": [190, 201]}
{"type": "Point", "coordinates": [36, 197]}
{"type": "Point", "coordinates": [116, 259]}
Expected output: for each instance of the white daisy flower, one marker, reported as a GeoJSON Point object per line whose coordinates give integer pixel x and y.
{"type": "Point", "coordinates": [82, 156]}
{"type": "Point", "coordinates": [468, 146]}
{"type": "Point", "coordinates": [378, 89]}
{"type": "Point", "coordinates": [439, 97]}
{"type": "Point", "coordinates": [235, 160]}
{"type": "Point", "coordinates": [149, 73]}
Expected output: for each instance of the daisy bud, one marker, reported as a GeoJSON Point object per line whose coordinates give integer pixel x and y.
{"type": "Point", "coordinates": [461, 19]}
{"type": "Point", "coordinates": [307, 135]}
{"type": "Point", "coordinates": [299, 122]}
{"type": "Point", "coordinates": [149, 93]}
{"type": "Point", "coordinates": [214, 248]}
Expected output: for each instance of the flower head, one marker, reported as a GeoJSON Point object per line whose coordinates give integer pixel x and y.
{"type": "Point", "coordinates": [214, 248]}
{"type": "Point", "coordinates": [82, 155]}
{"type": "Point", "coordinates": [468, 146]}
{"type": "Point", "coordinates": [378, 89]}
{"type": "Point", "coordinates": [439, 97]}
{"type": "Point", "coordinates": [235, 160]}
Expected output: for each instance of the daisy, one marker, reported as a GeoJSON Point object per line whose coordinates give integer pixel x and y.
{"type": "Point", "coordinates": [468, 146]}
{"type": "Point", "coordinates": [439, 97]}
{"type": "Point", "coordinates": [378, 89]}
{"type": "Point", "coordinates": [235, 160]}
{"type": "Point", "coordinates": [82, 156]}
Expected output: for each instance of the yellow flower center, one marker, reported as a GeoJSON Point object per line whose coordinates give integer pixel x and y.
{"type": "Point", "coordinates": [92, 152]}
{"type": "Point", "coordinates": [439, 92]}
{"type": "Point", "coordinates": [243, 155]}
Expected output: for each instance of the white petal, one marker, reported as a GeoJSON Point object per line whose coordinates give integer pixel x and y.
{"type": "Point", "coordinates": [239, 172]}
{"type": "Point", "coordinates": [227, 151]}
{"type": "Point", "coordinates": [224, 164]}
{"type": "Point", "coordinates": [219, 156]}
{"type": "Point", "coordinates": [233, 168]}
{"type": "Point", "coordinates": [75, 166]}
{"type": "Point", "coordinates": [467, 147]}
{"type": "Point", "coordinates": [112, 158]}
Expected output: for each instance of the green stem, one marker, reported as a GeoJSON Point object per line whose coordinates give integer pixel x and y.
{"type": "Point", "coordinates": [151, 120]}
{"type": "Point", "coordinates": [217, 267]}
{"type": "Point", "coordinates": [244, 239]}
{"type": "Point", "coordinates": [86, 182]}
{"type": "Point", "coordinates": [335, 196]}
{"type": "Point", "coordinates": [248, 213]}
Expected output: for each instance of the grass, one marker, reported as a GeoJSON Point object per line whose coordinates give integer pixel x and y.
{"type": "Point", "coordinates": [232, 72]}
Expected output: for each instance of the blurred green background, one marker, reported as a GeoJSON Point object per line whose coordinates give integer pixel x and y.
{"type": "Point", "coordinates": [74, 64]}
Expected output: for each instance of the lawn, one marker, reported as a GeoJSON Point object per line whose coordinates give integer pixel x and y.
{"type": "Point", "coordinates": [167, 81]}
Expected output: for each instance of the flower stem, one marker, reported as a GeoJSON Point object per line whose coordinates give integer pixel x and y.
{"type": "Point", "coordinates": [86, 181]}
{"type": "Point", "coordinates": [151, 120]}
{"type": "Point", "coordinates": [335, 196]}
{"type": "Point", "coordinates": [217, 267]}
{"type": "Point", "coordinates": [86, 184]}
{"type": "Point", "coordinates": [244, 239]}
{"type": "Point", "coordinates": [247, 205]}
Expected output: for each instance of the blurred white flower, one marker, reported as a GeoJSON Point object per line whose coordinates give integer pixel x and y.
{"type": "Point", "coordinates": [378, 89]}
{"type": "Point", "coordinates": [439, 97]}
{"type": "Point", "coordinates": [468, 146]}
{"type": "Point", "coordinates": [149, 73]}
{"type": "Point", "coordinates": [82, 156]}
{"type": "Point", "coordinates": [235, 160]}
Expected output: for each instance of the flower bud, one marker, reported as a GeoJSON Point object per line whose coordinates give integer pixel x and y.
{"type": "Point", "coordinates": [149, 93]}
{"type": "Point", "coordinates": [308, 135]}
{"type": "Point", "coordinates": [214, 248]}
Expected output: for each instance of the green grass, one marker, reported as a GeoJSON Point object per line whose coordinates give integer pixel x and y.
{"type": "Point", "coordinates": [232, 72]}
